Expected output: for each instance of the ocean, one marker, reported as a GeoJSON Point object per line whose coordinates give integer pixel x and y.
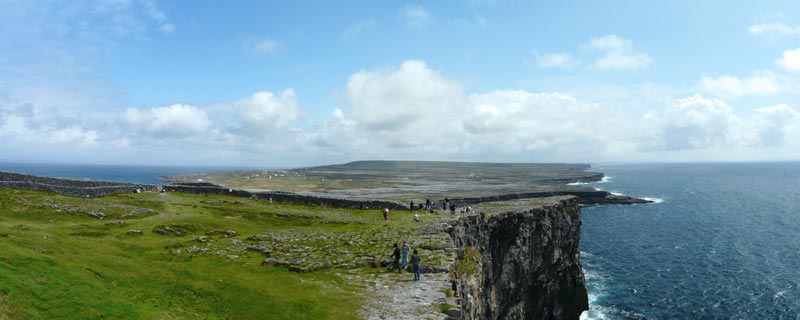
{"type": "Point", "coordinates": [722, 242]}
{"type": "Point", "coordinates": [120, 173]}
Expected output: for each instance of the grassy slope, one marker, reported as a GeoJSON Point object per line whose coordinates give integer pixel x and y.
{"type": "Point", "coordinates": [59, 263]}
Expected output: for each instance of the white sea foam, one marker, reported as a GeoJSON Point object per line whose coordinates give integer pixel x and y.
{"type": "Point", "coordinates": [655, 200]}
{"type": "Point", "coordinates": [605, 179]}
{"type": "Point", "coordinates": [578, 183]}
{"type": "Point", "coordinates": [616, 193]}
{"type": "Point", "coordinates": [596, 285]}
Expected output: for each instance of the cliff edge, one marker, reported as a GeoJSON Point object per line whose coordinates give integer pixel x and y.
{"type": "Point", "coordinates": [520, 260]}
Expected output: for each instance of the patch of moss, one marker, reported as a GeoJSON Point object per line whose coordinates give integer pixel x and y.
{"type": "Point", "coordinates": [470, 262]}
{"type": "Point", "coordinates": [446, 306]}
{"type": "Point", "coordinates": [448, 292]}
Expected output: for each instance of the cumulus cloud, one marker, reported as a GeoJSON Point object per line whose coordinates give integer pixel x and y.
{"type": "Point", "coordinates": [618, 54]}
{"type": "Point", "coordinates": [790, 60]}
{"type": "Point", "coordinates": [777, 126]}
{"type": "Point", "coordinates": [762, 82]}
{"type": "Point", "coordinates": [358, 28]}
{"type": "Point", "coordinates": [177, 120]}
{"type": "Point", "coordinates": [558, 60]}
{"type": "Point", "coordinates": [265, 112]}
{"type": "Point", "coordinates": [416, 15]}
{"type": "Point", "coordinates": [773, 30]}
{"type": "Point", "coordinates": [406, 112]}
{"type": "Point", "coordinates": [28, 126]}
{"type": "Point", "coordinates": [518, 121]}
{"type": "Point", "coordinates": [266, 46]}
{"type": "Point", "coordinates": [413, 111]}
{"type": "Point", "coordinates": [392, 101]}
{"type": "Point", "coordinates": [696, 122]}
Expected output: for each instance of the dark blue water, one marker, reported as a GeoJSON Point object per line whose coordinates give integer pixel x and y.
{"type": "Point", "coordinates": [723, 244]}
{"type": "Point", "coordinates": [133, 174]}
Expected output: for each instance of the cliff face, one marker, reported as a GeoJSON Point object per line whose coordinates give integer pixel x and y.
{"type": "Point", "coordinates": [521, 263]}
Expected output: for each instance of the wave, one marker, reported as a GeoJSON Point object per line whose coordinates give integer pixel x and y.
{"type": "Point", "coordinates": [655, 200]}
{"type": "Point", "coordinates": [596, 282]}
{"type": "Point", "coordinates": [579, 183]}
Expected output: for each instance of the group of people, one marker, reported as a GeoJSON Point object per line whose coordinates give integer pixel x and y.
{"type": "Point", "coordinates": [400, 255]}
{"type": "Point", "coordinates": [429, 205]}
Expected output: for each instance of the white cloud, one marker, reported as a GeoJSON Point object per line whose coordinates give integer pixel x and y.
{"type": "Point", "coordinates": [266, 46]}
{"type": "Point", "coordinates": [392, 101]}
{"type": "Point", "coordinates": [406, 112]}
{"type": "Point", "coordinates": [416, 15]}
{"type": "Point", "coordinates": [517, 121]}
{"type": "Point", "coordinates": [762, 82]}
{"type": "Point", "coordinates": [790, 60]}
{"type": "Point", "coordinates": [358, 28]}
{"type": "Point", "coordinates": [28, 127]}
{"type": "Point", "coordinates": [155, 13]}
{"type": "Point", "coordinates": [777, 126]}
{"type": "Point", "coordinates": [696, 122]}
{"type": "Point", "coordinates": [558, 60]}
{"type": "Point", "coordinates": [177, 120]}
{"type": "Point", "coordinates": [618, 54]}
{"type": "Point", "coordinates": [773, 30]}
{"type": "Point", "coordinates": [265, 112]}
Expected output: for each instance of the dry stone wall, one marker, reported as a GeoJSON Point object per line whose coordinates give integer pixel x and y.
{"type": "Point", "coordinates": [282, 196]}
{"type": "Point", "coordinates": [71, 187]}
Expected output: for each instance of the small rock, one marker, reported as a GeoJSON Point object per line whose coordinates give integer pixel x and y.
{"type": "Point", "coordinates": [97, 214]}
{"type": "Point", "coordinates": [202, 239]}
{"type": "Point", "coordinates": [274, 261]}
{"type": "Point", "coordinates": [134, 231]}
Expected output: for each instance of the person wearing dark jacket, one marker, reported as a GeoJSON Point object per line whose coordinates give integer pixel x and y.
{"type": "Point", "coordinates": [396, 256]}
{"type": "Point", "coordinates": [415, 260]}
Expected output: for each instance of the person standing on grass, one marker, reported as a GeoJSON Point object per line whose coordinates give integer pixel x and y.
{"type": "Point", "coordinates": [415, 260]}
{"type": "Point", "coordinates": [404, 249]}
{"type": "Point", "coordinates": [386, 216]}
{"type": "Point", "coordinates": [396, 256]}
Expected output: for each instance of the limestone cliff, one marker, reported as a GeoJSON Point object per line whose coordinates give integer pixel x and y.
{"type": "Point", "coordinates": [520, 260]}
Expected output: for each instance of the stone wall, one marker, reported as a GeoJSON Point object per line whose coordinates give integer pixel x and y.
{"type": "Point", "coordinates": [282, 196]}
{"type": "Point", "coordinates": [71, 187]}
{"type": "Point", "coordinates": [521, 264]}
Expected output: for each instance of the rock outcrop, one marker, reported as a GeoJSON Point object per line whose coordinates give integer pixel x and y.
{"type": "Point", "coordinates": [520, 260]}
{"type": "Point", "coordinates": [586, 196]}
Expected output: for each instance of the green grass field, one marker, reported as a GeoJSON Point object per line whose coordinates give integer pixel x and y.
{"type": "Point", "coordinates": [58, 262]}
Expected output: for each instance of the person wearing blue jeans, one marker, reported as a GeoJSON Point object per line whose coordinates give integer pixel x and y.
{"type": "Point", "coordinates": [415, 259]}
{"type": "Point", "coordinates": [404, 249]}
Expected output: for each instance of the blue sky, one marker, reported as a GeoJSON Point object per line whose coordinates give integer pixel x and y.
{"type": "Point", "coordinates": [274, 84]}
